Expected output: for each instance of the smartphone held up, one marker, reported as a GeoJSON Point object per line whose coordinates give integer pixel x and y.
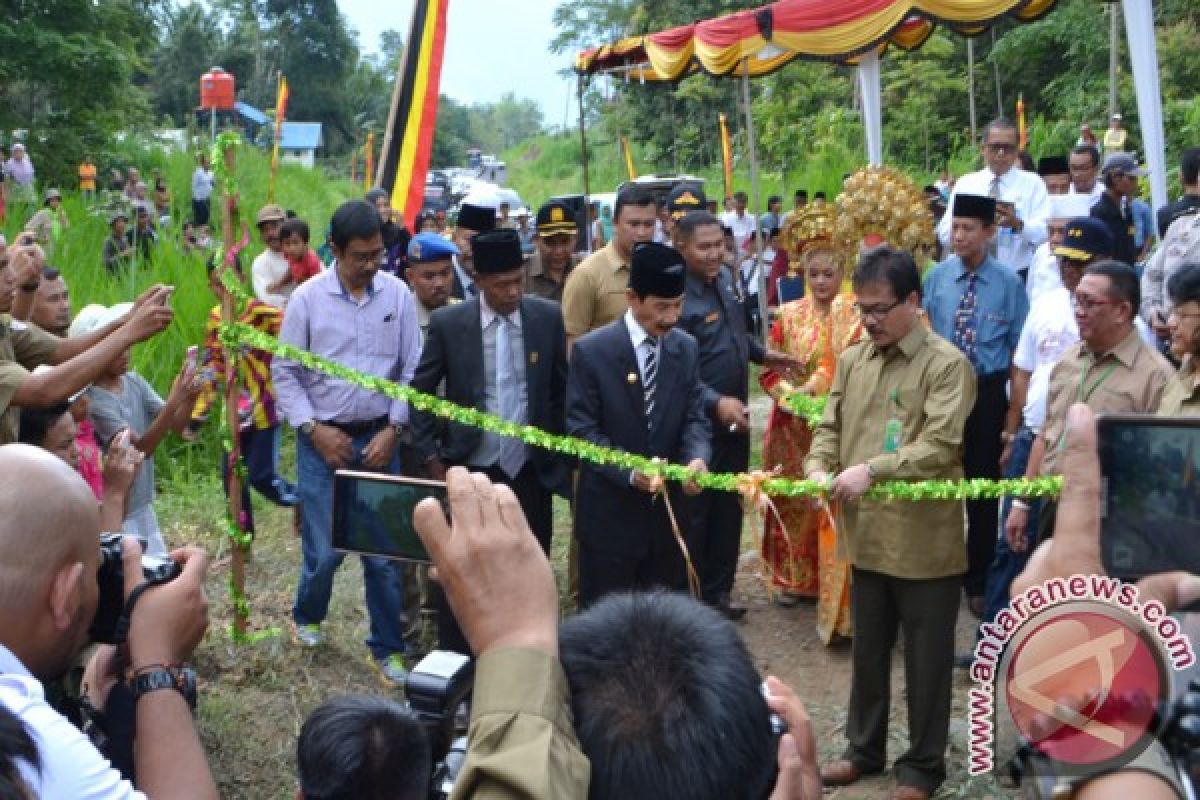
{"type": "Point", "coordinates": [1150, 494]}
{"type": "Point", "coordinates": [373, 514]}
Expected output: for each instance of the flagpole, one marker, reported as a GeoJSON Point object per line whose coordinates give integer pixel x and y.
{"type": "Point", "coordinates": [276, 137]}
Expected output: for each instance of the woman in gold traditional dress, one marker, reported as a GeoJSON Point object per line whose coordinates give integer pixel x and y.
{"type": "Point", "coordinates": [803, 552]}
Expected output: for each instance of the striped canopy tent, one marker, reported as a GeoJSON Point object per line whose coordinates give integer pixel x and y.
{"type": "Point", "coordinates": [759, 41]}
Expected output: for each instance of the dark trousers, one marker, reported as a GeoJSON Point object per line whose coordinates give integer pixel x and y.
{"type": "Point", "coordinates": [536, 501]}
{"type": "Point", "coordinates": [537, 505]}
{"type": "Point", "coordinates": [602, 572]}
{"type": "Point", "coordinates": [925, 610]}
{"type": "Point", "coordinates": [1007, 565]}
{"type": "Point", "coordinates": [260, 454]}
{"type": "Point", "coordinates": [200, 212]}
{"type": "Point", "coordinates": [715, 522]}
{"type": "Point", "coordinates": [982, 448]}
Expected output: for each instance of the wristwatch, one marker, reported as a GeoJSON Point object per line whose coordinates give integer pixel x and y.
{"type": "Point", "coordinates": [308, 427]}
{"type": "Point", "coordinates": [181, 679]}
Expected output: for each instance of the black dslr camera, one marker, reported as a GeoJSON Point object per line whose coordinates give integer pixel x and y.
{"type": "Point", "coordinates": [111, 623]}
{"type": "Point", "coordinates": [437, 691]}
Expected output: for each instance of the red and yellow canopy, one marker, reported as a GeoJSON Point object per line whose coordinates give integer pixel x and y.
{"type": "Point", "coordinates": [764, 39]}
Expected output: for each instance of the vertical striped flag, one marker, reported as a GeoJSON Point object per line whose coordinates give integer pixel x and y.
{"type": "Point", "coordinates": [1022, 131]}
{"type": "Point", "coordinates": [408, 142]}
{"type": "Point", "coordinates": [726, 156]}
{"type": "Point", "coordinates": [628, 154]}
{"type": "Point", "coordinates": [281, 99]}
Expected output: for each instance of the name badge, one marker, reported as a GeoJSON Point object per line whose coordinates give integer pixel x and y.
{"type": "Point", "coordinates": [533, 357]}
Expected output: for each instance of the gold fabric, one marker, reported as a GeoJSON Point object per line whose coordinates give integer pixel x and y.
{"type": "Point", "coordinates": [522, 743]}
{"type": "Point", "coordinates": [926, 384]}
{"type": "Point", "coordinates": [1129, 379]}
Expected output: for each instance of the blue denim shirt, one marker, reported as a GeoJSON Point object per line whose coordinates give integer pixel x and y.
{"type": "Point", "coordinates": [1000, 309]}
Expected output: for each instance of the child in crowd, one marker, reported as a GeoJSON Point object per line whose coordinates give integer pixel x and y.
{"type": "Point", "coordinates": [123, 401]}
{"type": "Point", "coordinates": [303, 262]}
{"type": "Point", "coordinates": [54, 429]}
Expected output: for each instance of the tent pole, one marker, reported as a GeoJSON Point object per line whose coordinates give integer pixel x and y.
{"type": "Point", "coordinates": [587, 189]}
{"type": "Point", "coordinates": [758, 237]}
{"type": "Point", "coordinates": [971, 87]}
{"type": "Point", "coordinates": [1143, 52]}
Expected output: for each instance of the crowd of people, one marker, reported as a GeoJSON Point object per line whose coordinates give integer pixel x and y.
{"type": "Point", "coordinates": [973, 365]}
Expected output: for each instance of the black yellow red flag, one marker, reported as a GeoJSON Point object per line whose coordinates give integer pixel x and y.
{"type": "Point", "coordinates": [408, 142]}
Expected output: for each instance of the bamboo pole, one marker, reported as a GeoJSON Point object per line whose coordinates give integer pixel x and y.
{"type": "Point", "coordinates": [587, 189]}
{"type": "Point", "coordinates": [233, 481]}
{"type": "Point", "coordinates": [758, 237]}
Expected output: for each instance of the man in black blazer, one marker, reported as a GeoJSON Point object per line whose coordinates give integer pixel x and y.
{"type": "Point", "coordinates": [635, 385]}
{"type": "Point", "coordinates": [471, 221]}
{"type": "Point", "coordinates": [465, 346]}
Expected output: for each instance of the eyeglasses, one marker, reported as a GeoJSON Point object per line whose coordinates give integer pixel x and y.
{"type": "Point", "coordinates": [875, 312]}
{"type": "Point", "coordinates": [1087, 304]}
{"type": "Point", "coordinates": [1000, 148]}
{"type": "Point", "coordinates": [364, 260]}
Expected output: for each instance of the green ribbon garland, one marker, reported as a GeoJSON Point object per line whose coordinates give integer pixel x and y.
{"type": "Point", "coordinates": [242, 334]}
{"type": "Point", "coordinates": [810, 409]}
{"type": "Point", "coordinates": [225, 140]}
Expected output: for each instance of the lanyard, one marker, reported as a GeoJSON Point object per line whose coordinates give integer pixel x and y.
{"type": "Point", "coordinates": [1086, 391]}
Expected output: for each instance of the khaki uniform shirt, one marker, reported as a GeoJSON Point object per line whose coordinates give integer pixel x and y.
{"type": "Point", "coordinates": [1181, 398]}
{"type": "Point", "coordinates": [1128, 379]}
{"type": "Point", "coordinates": [22, 347]}
{"type": "Point", "coordinates": [537, 282]}
{"type": "Point", "coordinates": [928, 387]}
{"type": "Point", "coordinates": [595, 292]}
{"type": "Point", "coordinates": [522, 739]}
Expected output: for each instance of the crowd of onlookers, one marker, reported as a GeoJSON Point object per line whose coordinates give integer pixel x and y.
{"type": "Point", "coordinates": [971, 366]}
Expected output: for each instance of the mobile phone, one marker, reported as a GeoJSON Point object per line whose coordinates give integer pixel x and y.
{"type": "Point", "coordinates": [1150, 494]}
{"type": "Point", "coordinates": [373, 513]}
{"type": "Point", "coordinates": [192, 357]}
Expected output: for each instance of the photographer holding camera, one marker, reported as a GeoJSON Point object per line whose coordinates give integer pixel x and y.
{"type": "Point", "coordinates": [522, 741]}
{"type": "Point", "coordinates": [49, 559]}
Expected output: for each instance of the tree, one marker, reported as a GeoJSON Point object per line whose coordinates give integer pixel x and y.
{"type": "Point", "coordinates": [68, 77]}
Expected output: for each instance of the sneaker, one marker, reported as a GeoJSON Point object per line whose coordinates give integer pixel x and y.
{"type": "Point", "coordinates": [309, 635]}
{"type": "Point", "coordinates": [392, 669]}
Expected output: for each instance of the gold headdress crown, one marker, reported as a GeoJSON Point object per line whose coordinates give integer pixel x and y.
{"type": "Point", "coordinates": [884, 202]}
{"type": "Point", "coordinates": [810, 229]}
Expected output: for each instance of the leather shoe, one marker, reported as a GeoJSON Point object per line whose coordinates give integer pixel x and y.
{"type": "Point", "coordinates": [909, 793]}
{"type": "Point", "coordinates": [842, 772]}
{"type": "Point", "coordinates": [731, 611]}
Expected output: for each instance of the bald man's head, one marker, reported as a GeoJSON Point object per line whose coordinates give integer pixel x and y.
{"type": "Point", "coordinates": [49, 554]}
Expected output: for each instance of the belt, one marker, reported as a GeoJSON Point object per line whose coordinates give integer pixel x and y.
{"type": "Point", "coordinates": [359, 426]}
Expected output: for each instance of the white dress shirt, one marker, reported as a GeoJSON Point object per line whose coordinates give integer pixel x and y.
{"type": "Point", "coordinates": [641, 344]}
{"type": "Point", "coordinates": [267, 269]}
{"type": "Point", "coordinates": [1095, 194]}
{"type": "Point", "coordinates": [1027, 193]}
{"type": "Point", "coordinates": [1049, 331]}
{"type": "Point", "coordinates": [72, 768]}
{"type": "Point", "coordinates": [1044, 273]}
{"type": "Point", "coordinates": [742, 226]}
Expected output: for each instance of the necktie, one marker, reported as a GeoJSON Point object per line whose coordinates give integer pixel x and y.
{"type": "Point", "coordinates": [994, 193]}
{"type": "Point", "coordinates": [508, 395]}
{"type": "Point", "coordinates": [964, 320]}
{"type": "Point", "coordinates": [650, 376]}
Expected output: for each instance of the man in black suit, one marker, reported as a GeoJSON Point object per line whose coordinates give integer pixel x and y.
{"type": "Point", "coordinates": [471, 221]}
{"type": "Point", "coordinates": [505, 353]}
{"type": "Point", "coordinates": [635, 385]}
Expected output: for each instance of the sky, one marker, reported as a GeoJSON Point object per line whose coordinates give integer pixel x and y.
{"type": "Point", "coordinates": [492, 47]}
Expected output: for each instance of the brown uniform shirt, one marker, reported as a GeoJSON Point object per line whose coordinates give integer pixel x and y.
{"type": "Point", "coordinates": [538, 283]}
{"type": "Point", "coordinates": [23, 346]}
{"type": "Point", "coordinates": [1128, 379]}
{"type": "Point", "coordinates": [928, 387]}
{"type": "Point", "coordinates": [595, 292]}
{"type": "Point", "coordinates": [1181, 398]}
